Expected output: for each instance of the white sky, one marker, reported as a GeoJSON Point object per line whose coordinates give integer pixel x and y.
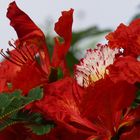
{"type": "Point", "coordinates": [104, 13]}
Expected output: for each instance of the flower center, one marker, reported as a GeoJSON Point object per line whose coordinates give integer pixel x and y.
{"type": "Point", "coordinates": [93, 66]}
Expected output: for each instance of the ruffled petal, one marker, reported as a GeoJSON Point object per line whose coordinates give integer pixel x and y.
{"type": "Point", "coordinates": [126, 37]}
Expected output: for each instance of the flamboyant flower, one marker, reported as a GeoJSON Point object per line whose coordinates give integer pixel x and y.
{"type": "Point", "coordinates": [98, 111]}
{"type": "Point", "coordinates": [28, 65]}
{"type": "Point", "coordinates": [126, 37]}
{"type": "Point", "coordinates": [96, 103]}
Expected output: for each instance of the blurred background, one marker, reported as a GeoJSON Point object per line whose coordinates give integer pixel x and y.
{"type": "Point", "coordinates": [93, 19]}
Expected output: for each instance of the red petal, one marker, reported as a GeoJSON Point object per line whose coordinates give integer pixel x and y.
{"type": "Point", "coordinates": [8, 71]}
{"type": "Point", "coordinates": [63, 28]}
{"type": "Point", "coordinates": [28, 32]}
{"type": "Point", "coordinates": [28, 77]}
{"type": "Point", "coordinates": [63, 134]}
{"type": "Point", "coordinates": [59, 99]}
{"type": "Point", "coordinates": [105, 99]}
{"type": "Point", "coordinates": [125, 68]}
{"type": "Point", "coordinates": [134, 134]}
{"type": "Point", "coordinates": [64, 25]}
{"type": "Point", "coordinates": [62, 104]}
{"type": "Point", "coordinates": [21, 22]}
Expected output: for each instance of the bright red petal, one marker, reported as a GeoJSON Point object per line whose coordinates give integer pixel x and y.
{"type": "Point", "coordinates": [105, 99]}
{"type": "Point", "coordinates": [64, 25]}
{"type": "Point", "coordinates": [8, 71]}
{"type": "Point", "coordinates": [28, 77]}
{"type": "Point", "coordinates": [61, 103]}
{"type": "Point", "coordinates": [64, 29]}
{"type": "Point", "coordinates": [125, 68]}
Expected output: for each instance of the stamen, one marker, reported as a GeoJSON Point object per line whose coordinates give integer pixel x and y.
{"type": "Point", "coordinates": [93, 66]}
{"type": "Point", "coordinates": [18, 50]}
{"type": "Point", "coordinates": [21, 56]}
{"type": "Point", "coordinates": [6, 57]}
{"type": "Point", "coordinates": [17, 58]}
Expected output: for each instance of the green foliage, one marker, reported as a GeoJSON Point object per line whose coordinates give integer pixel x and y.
{"type": "Point", "coordinates": [89, 32]}
{"type": "Point", "coordinates": [34, 122]}
{"type": "Point", "coordinates": [41, 129]}
{"type": "Point", "coordinates": [71, 61]}
{"type": "Point", "coordinates": [137, 100]}
{"type": "Point", "coordinates": [12, 103]}
{"type": "Point", "coordinates": [59, 73]}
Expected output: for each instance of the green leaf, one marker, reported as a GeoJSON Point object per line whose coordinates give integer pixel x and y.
{"type": "Point", "coordinates": [11, 104]}
{"type": "Point", "coordinates": [137, 99]}
{"type": "Point", "coordinates": [35, 94]}
{"type": "Point", "coordinates": [71, 61]}
{"type": "Point", "coordinates": [6, 123]}
{"type": "Point", "coordinates": [89, 32]}
{"type": "Point", "coordinates": [4, 101]}
{"type": "Point", "coordinates": [15, 101]}
{"type": "Point", "coordinates": [59, 73]}
{"type": "Point", "coordinates": [41, 129]}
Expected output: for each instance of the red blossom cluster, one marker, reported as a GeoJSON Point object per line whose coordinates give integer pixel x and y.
{"type": "Point", "coordinates": [93, 104]}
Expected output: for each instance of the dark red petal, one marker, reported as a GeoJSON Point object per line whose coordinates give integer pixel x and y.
{"type": "Point", "coordinates": [64, 25]}
{"type": "Point", "coordinates": [21, 22]}
{"type": "Point", "coordinates": [28, 32]}
{"type": "Point", "coordinates": [105, 99]}
{"type": "Point", "coordinates": [64, 134]}
{"type": "Point", "coordinates": [134, 134]}
{"type": "Point", "coordinates": [19, 132]}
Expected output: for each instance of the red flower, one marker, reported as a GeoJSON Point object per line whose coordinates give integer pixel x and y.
{"type": "Point", "coordinates": [27, 71]}
{"type": "Point", "coordinates": [95, 112]}
{"type": "Point", "coordinates": [100, 109]}
{"type": "Point", "coordinates": [126, 37]}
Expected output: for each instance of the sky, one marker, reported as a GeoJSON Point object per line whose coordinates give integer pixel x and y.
{"type": "Point", "coordinates": [104, 13]}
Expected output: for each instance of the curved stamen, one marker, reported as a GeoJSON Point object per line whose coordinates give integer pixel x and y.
{"type": "Point", "coordinates": [17, 58]}
{"type": "Point", "coordinates": [6, 57]}
{"type": "Point", "coordinates": [21, 56]}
